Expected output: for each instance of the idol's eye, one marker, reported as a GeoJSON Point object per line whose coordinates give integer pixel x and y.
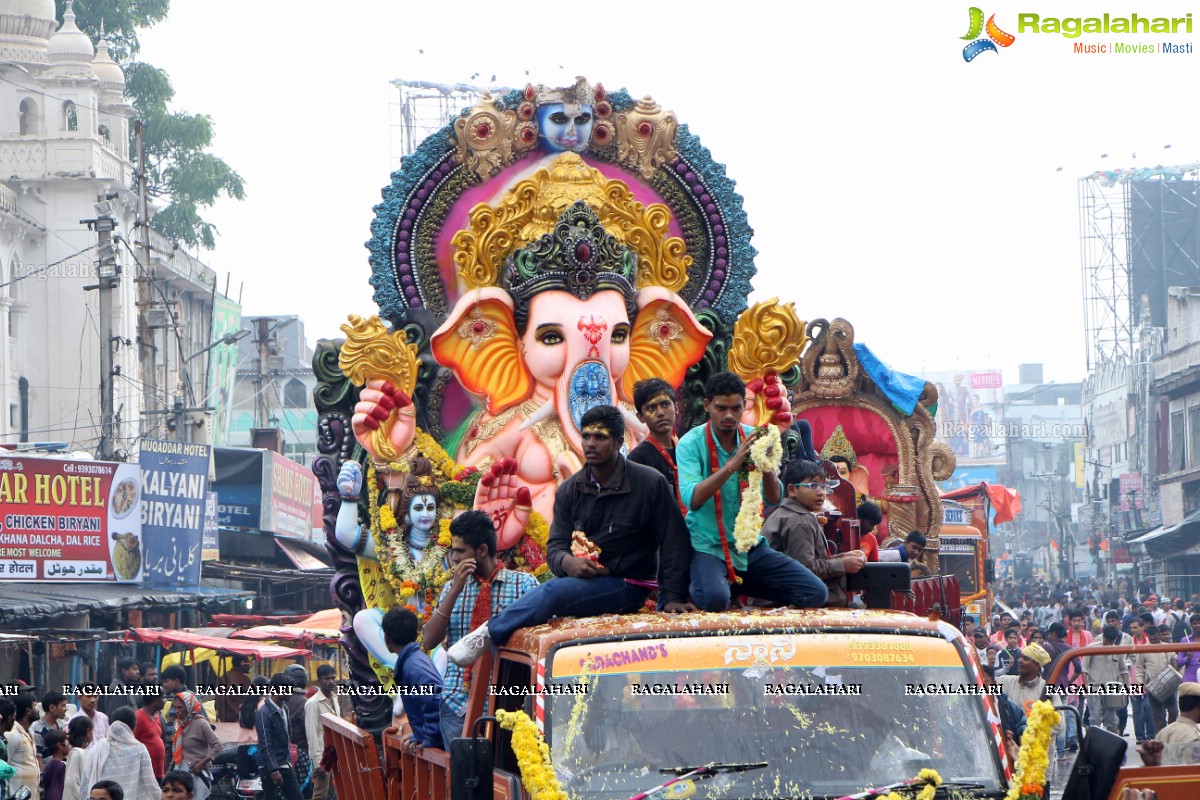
{"type": "Point", "coordinates": [620, 334]}
{"type": "Point", "coordinates": [550, 338]}
{"type": "Point", "coordinates": [583, 118]}
{"type": "Point", "coordinates": [559, 118]}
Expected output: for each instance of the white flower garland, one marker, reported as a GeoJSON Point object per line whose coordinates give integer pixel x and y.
{"type": "Point", "coordinates": [766, 454]}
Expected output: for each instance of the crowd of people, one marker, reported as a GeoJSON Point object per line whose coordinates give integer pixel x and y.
{"type": "Point", "coordinates": [1022, 646]}
{"type": "Point", "coordinates": [156, 740]}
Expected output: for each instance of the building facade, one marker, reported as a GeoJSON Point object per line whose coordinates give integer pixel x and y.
{"type": "Point", "coordinates": [64, 148]}
{"type": "Point", "coordinates": [274, 388]}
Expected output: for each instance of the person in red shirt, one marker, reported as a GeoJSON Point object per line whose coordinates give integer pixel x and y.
{"type": "Point", "coordinates": [148, 731]}
{"type": "Point", "coordinates": [1077, 633]}
{"type": "Point", "coordinates": [869, 517]}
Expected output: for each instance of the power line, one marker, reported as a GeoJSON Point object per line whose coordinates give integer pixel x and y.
{"type": "Point", "coordinates": [49, 266]}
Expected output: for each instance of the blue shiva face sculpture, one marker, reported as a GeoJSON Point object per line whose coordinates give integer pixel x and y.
{"type": "Point", "coordinates": [563, 126]}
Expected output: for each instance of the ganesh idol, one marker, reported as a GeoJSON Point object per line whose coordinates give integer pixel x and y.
{"type": "Point", "coordinates": [567, 318]}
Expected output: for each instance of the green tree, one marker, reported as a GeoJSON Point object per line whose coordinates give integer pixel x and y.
{"type": "Point", "coordinates": [182, 176]}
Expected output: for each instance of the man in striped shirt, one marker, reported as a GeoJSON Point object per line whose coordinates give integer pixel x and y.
{"type": "Point", "coordinates": [478, 589]}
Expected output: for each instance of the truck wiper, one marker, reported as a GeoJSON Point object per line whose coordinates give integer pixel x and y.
{"type": "Point", "coordinates": [688, 773]}
{"type": "Point", "coordinates": [715, 768]}
{"type": "Point", "coordinates": [943, 789]}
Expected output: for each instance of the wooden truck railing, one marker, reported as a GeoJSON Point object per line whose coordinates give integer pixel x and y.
{"type": "Point", "coordinates": [357, 773]}
{"type": "Point", "coordinates": [1170, 783]}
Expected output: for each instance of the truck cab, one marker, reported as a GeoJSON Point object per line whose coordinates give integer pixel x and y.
{"type": "Point", "coordinates": [832, 701]}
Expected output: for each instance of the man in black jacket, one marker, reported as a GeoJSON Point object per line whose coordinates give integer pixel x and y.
{"type": "Point", "coordinates": [271, 722]}
{"type": "Point", "coordinates": [626, 510]}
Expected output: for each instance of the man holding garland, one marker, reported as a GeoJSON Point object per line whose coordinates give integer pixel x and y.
{"type": "Point", "coordinates": [714, 466]}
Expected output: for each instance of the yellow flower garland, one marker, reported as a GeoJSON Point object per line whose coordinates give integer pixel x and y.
{"type": "Point", "coordinates": [538, 529]}
{"type": "Point", "coordinates": [444, 532]}
{"type": "Point", "coordinates": [1030, 777]}
{"type": "Point", "coordinates": [533, 756]}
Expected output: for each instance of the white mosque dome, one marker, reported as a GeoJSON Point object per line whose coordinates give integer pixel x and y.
{"type": "Point", "coordinates": [70, 49]}
{"type": "Point", "coordinates": [105, 68]}
{"type": "Point", "coordinates": [25, 25]}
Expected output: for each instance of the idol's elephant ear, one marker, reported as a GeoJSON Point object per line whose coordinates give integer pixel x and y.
{"type": "Point", "coordinates": [860, 477]}
{"type": "Point", "coordinates": [479, 343]}
{"type": "Point", "coordinates": [667, 339]}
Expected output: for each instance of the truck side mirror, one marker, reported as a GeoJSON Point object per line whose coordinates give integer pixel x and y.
{"type": "Point", "coordinates": [471, 766]}
{"type": "Point", "coordinates": [878, 580]}
{"type": "Point", "coordinates": [989, 570]}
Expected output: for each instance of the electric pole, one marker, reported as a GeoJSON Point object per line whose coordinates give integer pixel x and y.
{"type": "Point", "coordinates": [108, 272]}
{"type": "Point", "coordinates": [147, 355]}
{"type": "Point", "coordinates": [262, 401]}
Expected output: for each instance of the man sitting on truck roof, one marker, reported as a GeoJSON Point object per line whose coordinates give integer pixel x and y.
{"type": "Point", "coordinates": [710, 459]}
{"type": "Point", "coordinates": [628, 512]}
{"type": "Point", "coordinates": [477, 589]}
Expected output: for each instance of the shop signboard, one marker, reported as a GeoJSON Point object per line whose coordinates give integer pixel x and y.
{"type": "Point", "coordinates": [261, 490]}
{"type": "Point", "coordinates": [240, 486]}
{"type": "Point", "coordinates": [292, 493]}
{"type": "Point", "coordinates": [174, 491]}
{"type": "Point", "coordinates": [69, 520]}
{"type": "Point", "coordinates": [210, 549]}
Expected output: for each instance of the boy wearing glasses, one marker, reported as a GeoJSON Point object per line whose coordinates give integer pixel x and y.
{"type": "Point", "coordinates": [794, 529]}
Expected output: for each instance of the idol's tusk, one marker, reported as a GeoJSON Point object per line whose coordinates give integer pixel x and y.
{"type": "Point", "coordinates": [545, 412]}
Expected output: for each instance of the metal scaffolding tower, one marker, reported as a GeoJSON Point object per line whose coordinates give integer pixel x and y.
{"type": "Point", "coordinates": [1139, 232]}
{"type": "Point", "coordinates": [421, 108]}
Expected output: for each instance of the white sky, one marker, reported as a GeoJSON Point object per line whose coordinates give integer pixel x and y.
{"type": "Point", "coordinates": [887, 181]}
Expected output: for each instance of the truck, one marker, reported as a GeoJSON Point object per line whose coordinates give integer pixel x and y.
{"type": "Point", "coordinates": [820, 703]}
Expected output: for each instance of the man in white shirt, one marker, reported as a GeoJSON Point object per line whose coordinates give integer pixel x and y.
{"type": "Point", "coordinates": [87, 708]}
{"type": "Point", "coordinates": [22, 750]}
{"type": "Point", "coordinates": [325, 701]}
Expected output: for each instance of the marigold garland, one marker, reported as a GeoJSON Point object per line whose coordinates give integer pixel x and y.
{"type": "Point", "coordinates": [538, 529]}
{"type": "Point", "coordinates": [533, 756]}
{"type": "Point", "coordinates": [443, 538]}
{"type": "Point", "coordinates": [1029, 779]}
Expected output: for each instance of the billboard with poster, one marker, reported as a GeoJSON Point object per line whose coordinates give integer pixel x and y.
{"type": "Point", "coordinates": [226, 319]}
{"type": "Point", "coordinates": [970, 416]}
{"type": "Point", "coordinates": [69, 520]}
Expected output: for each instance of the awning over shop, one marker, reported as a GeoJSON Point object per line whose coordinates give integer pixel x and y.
{"type": "Point", "coordinates": [303, 561]}
{"type": "Point", "coordinates": [188, 639]}
{"type": "Point", "coordinates": [34, 603]}
{"type": "Point", "coordinates": [1163, 541]}
{"type": "Point", "coordinates": [231, 620]}
{"type": "Point", "coordinates": [321, 626]}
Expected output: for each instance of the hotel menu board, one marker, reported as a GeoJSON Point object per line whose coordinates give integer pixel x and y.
{"type": "Point", "coordinates": [69, 520]}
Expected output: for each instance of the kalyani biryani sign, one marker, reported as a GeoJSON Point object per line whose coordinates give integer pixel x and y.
{"type": "Point", "coordinates": [69, 520]}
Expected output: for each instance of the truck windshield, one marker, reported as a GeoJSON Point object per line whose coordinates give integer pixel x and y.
{"type": "Point", "coordinates": [830, 714]}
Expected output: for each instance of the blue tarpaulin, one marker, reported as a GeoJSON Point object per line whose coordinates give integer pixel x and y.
{"type": "Point", "coordinates": [902, 390]}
